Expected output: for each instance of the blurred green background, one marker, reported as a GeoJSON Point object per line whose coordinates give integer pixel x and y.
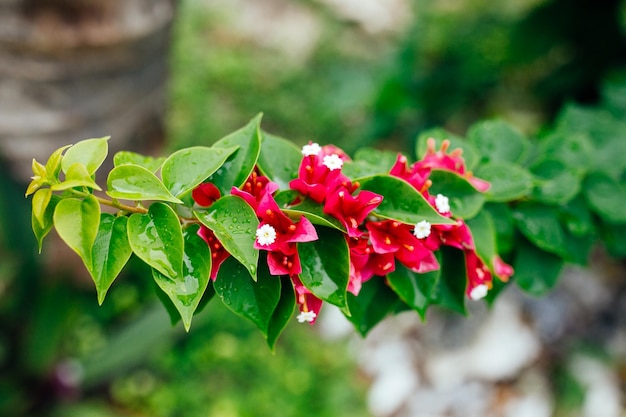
{"type": "Point", "coordinates": [317, 72]}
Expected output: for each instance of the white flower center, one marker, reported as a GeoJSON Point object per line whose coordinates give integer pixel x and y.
{"type": "Point", "coordinates": [422, 230]}
{"type": "Point", "coordinates": [333, 162]}
{"type": "Point", "coordinates": [266, 235]}
{"type": "Point", "coordinates": [311, 149]}
{"type": "Point", "coordinates": [480, 291]}
{"type": "Point", "coordinates": [306, 316]}
{"type": "Point", "coordinates": [442, 203]}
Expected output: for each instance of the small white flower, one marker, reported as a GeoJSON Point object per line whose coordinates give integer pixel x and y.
{"type": "Point", "coordinates": [266, 235]}
{"type": "Point", "coordinates": [422, 230]}
{"type": "Point", "coordinates": [332, 162]}
{"type": "Point", "coordinates": [311, 149]}
{"type": "Point", "coordinates": [306, 316]}
{"type": "Point", "coordinates": [442, 203]}
{"type": "Point", "coordinates": [480, 291]}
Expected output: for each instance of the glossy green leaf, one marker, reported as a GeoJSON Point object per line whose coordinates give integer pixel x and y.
{"type": "Point", "coordinates": [76, 176]}
{"type": "Point", "coordinates": [368, 162]}
{"type": "Point", "coordinates": [555, 183]}
{"type": "Point", "coordinates": [132, 158]}
{"type": "Point", "coordinates": [508, 180]}
{"type": "Point", "coordinates": [502, 218]}
{"type": "Point", "coordinates": [240, 165]}
{"type": "Point", "coordinates": [540, 224]}
{"type": "Point", "coordinates": [157, 239]}
{"type": "Point", "coordinates": [606, 197]}
{"type": "Point", "coordinates": [450, 289]}
{"type": "Point", "coordinates": [497, 140]}
{"type": "Point", "coordinates": [484, 234]}
{"type": "Point", "coordinates": [43, 227]}
{"type": "Point", "coordinates": [40, 202]}
{"type": "Point", "coordinates": [53, 165]}
{"type": "Point", "coordinates": [133, 182]}
{"type": "Point", "coordinates": [470, 154]}
{"type": "Point", "coordinates": [255, 301]}
{"type": "Point", "coordinates": [315, 213]}
{"type": "Point", "coordinates": [401, 201]}
{"type": "Point", "coordinates": [374, 302]}
{"type": "Point", "coordinates": [416, 290]}
{"type": "Point", "coordinates": [283, 312]}
{"type": "Point", "coordinates": [326, 266]}
{"type": "Point", "coordinates": [110, 252]}
{"type": "Point", "coordinates": [91, 153]}
{"type": "Point", "coordinates": [571, 149]}
{"type": "Point", "coordinates": [536, 271]}
{"type": "Point", "coordinates": [234, 223]}
{"type": "Point", "coordinates": [76, 221]}
{"type": "Point", "coordinates": [186, 290]}
{"type": "Point", "coordinates": [465, 200]}
{"type": "Point", "coordinates": [188, 167]}
{"type": "Point", "coordinates": [279, 159]}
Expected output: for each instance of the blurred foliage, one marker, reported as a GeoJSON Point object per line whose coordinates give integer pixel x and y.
{"type": "Point", "coordinates": [455, 63]}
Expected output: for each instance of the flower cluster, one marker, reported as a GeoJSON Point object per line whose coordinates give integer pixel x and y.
{"type": "Point", "coordinates": [375, 243]}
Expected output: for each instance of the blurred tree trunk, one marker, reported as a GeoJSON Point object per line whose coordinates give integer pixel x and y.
{"type": "Point", "coordinates": [75, 69]}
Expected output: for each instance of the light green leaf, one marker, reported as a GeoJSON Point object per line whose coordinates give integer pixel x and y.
{"type": "Point", "coordinates": [40, 202]}
{"type": "Point", "coordinates": [326, 266]}
{"type": "Point", "coordinates": [90, 152]}
{"type": "Point", "coordinates": [76, 221]}
{"type": "Point", "coordinates": [240, 165]}
{"type": "Point", "coordinates": [131, 158]}
{"type": "Point", "coordinates": [157, 239]}
{"type": "Point", "coordinates": [41, 229]}
{"type": "Point", "coordinates": [53, 165]}
{"type": "Point", "coordinates": [188, 167]}
{"type": "Point", "coordinates": [508, 180]}
{"type": "Point", "coordinates": [315, 213]}
{"type": "Point", "coordinates": [255, 301]}
{"type": "Point", "coordinates": [234, 223]}
{"type": "Point", "coordinates": [279, 159]}
{"type": "Point", "coordinates": [497, 140]}
{"type": "Point", "coordinates": [133, 182]}
{"type": "Point", "coordinates": [368, 162]}
{"type": "Point", "coordinates": [186, 290]}
{"type": "Point", "coordinates": [401, 201]}
{"type": "Point", "coordinates": [110, 252]}
{"type": "Point", "coordinates": [416, 290]}
{"type": "Point", "coordinates": [465, 200]}
{"type": "Point", "coordinates": [76, 176]}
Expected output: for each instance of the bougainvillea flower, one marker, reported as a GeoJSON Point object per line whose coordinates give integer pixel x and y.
{"type": "Point", "coordinates": [478, 276]}
{"type": "Point", "coordinates": [365, 263]}
{"type": "Point", "coordinates": [419, 180]}
{"type": "Point", "coordinates": [218, 253]}
{"type": "Point", "coordinates": [308, 304]}
{"type": "Point", "coordinates": [254, 189]}
{"type": "Point", "coordinates": [456, 235]}
{"type": "Point", "coordinates": [390, 236]}
{"type": "Point", "coordinates": [351, 210]}
{"type": "Point", "coordinates": [284, 261]}
{"type": "Point", "coordinates": [452, 161]}
{"type": "Point", "coordinates": [502, 269]}
{"type": "Point", "coordinates": [205, 194]}
{"type": "Point", "coordinates": [320, 173]}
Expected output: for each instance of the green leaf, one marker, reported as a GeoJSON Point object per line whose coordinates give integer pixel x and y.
{"type": "Point", "coordinates": [76, 221]}
{"type": "Point", "coordinates": [368, 162]}
{"type": "Point", "coordinates": [502, 218]}
{"type": "Point", "coordinates": [283, 312]}
{"type": "Point", "coordinates": [606, 197]}
{"type": "Point", "coordinates": [326, 266]}
{"type": "Point", "coordinates": [465, 200]}
{"type": "Point", "coordinates": [157, 239]}
{"type": "Point", "coordinates": [470, 154]}
{"type": "Point", "coordinates": [374, 302]}
{"type": "Point", "coordinates": [508, 181]}
{"type": "Point", "coordinates": [572, 149]}
{"type": "Point", "coordinates": [131, 158]}
{"type": "Point", "coordinates": [614, 238]}
{"type": "Point", "coordinates": [536, 271]}
{"type": "Point", "coordinates": [497, 140]}
{"type": "Point", "coordinates": [234, 223]}
{"type": "Point", "coordinates": [110, 252]}
{"type": "Point", "coordinates": [555, 184]}
{"type": "Point", "coordinates": [577, 217]}
{"type": "Point", "coordinates": [53, 165]}
{"type": "Point", "coordinates": [416, 290]}
{"type": "Point", "coordinates": [186, 290]}
{"type": "Point", "coordinates": [240, 165]}
{"type": "Point", "coordinates": [450, 289]}
{"type": "Point", "coordinates": [188, 167]}
{"type": "Point", "coordinates": [76, 176]}
{"type": "Point", "coordinates": [540, 224]}
{"type": "Point", "coordinates": [484, 234]}
{"type": "Point", "coordinates": [90, 152]}
{"type": "Point", "coordinates": [133, 182]}
{"type": "Point", "coordinates": [401, 201]}
{"type": "Point", "coordinates": [41, 229]}
{"type": "Point", "coordinates": [279, 159]}
{"type": "Point", "coordinates": [255, 301]}
{"type": "Point", "coordinates": [40, 202]}
{"type": "Point", "coordinates": [315, 213]}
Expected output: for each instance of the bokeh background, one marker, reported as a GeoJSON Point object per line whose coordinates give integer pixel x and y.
{"type": "Point", "coordinates": [160, 75]}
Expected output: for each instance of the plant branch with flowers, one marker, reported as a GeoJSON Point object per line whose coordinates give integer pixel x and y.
{"type": "Point", "coordinates": [275, 231]}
